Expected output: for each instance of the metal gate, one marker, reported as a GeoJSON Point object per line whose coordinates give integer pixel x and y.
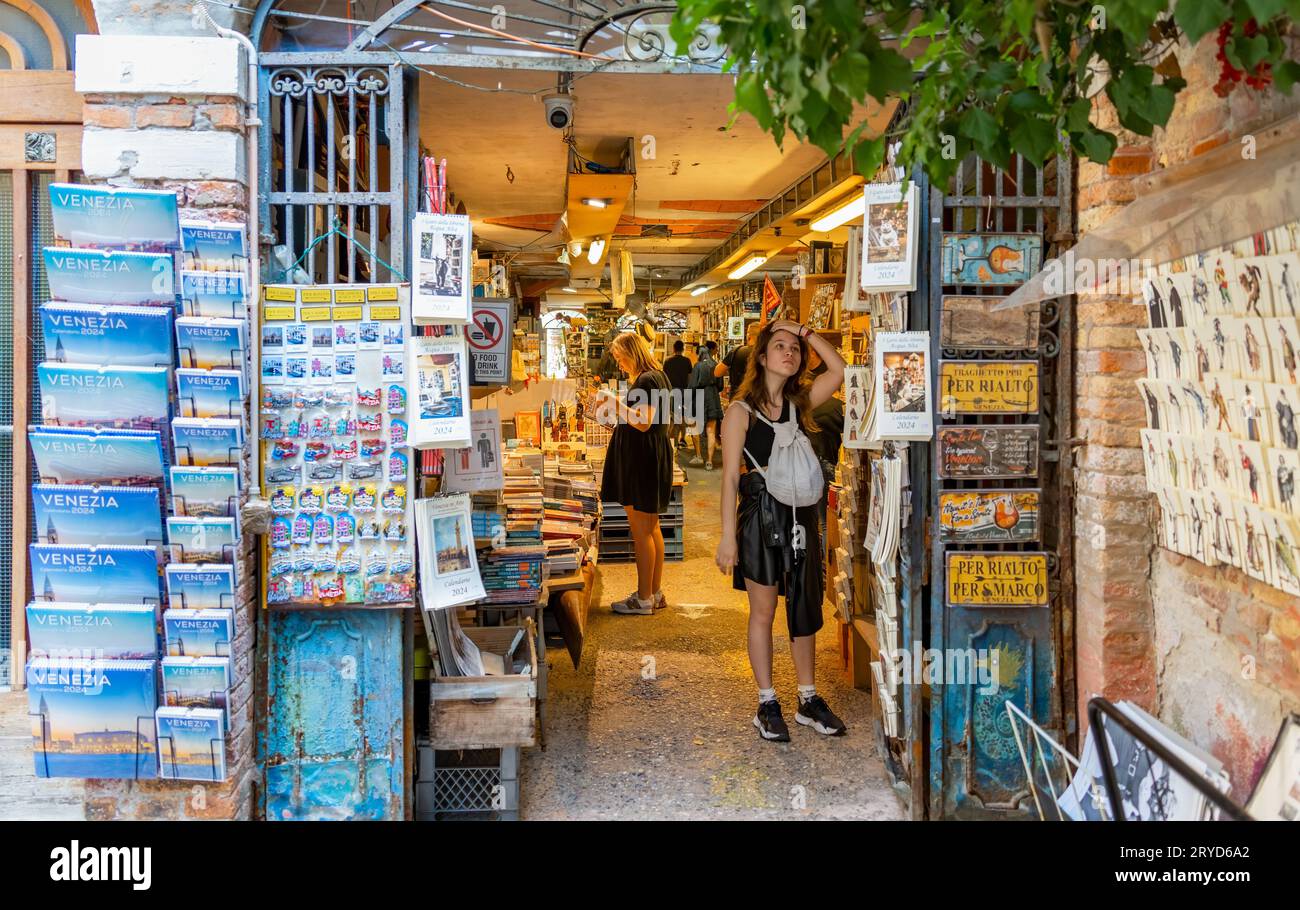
{"type": "Point", "coordinates": [974, 768]}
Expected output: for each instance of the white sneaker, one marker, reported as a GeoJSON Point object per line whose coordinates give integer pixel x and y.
{"type": "Point", "coordinates": [661, 602]}
{"type": "Point", "coordinates": [696, 462]}
{"type": "Point", "coordinates": [709, 466]}
{"type": "Point", "coordinates": [634, 605]}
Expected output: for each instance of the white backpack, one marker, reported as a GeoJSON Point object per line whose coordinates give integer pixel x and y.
{"type": "Point", "coordinates": [794, 473]}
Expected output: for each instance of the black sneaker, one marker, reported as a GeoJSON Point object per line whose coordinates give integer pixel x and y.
{"type": "Point", "coordinates": [816, 714]}
{"type": "Point", "coordinates": [769, 722]}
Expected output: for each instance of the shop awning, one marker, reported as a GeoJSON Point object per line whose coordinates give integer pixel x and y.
{"type": "Point", "coordinates": [1204, 204]}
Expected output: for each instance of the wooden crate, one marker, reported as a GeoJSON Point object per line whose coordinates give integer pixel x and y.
{"type": "Point", "coordinates": [487, 712]}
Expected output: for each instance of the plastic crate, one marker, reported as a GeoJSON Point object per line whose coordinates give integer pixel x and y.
{"type": "Point", "coordinates": [481, 784]}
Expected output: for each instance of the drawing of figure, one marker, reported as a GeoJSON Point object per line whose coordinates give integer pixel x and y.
{"type": "Point", "coordinates": [1288, 353]}
{"type": "Point", "coordinates": [1198, 529]}
{"type": "Point", "coordinates": [1285, 486]}
{"type": "Point", "coordinates": [1155, 308]}
{"type": "Point", "coordinates": [1286, 423]}
{"type": "Point", "coordinates": [1251, 280]}
{"type": "Point", "coordinates": [1289, 289]}
{"type": "Point", "coordinates": [1222, 539]}
{"type": "Point", "coordinates": [1201, 296]}
{"type": "Point", "coordinates": [486, 456]}
{"type": "Point", "coordinates": [1173, 462]}
{"type": "Point", "coordinates": [1254, 355]}
{"type": "Point", "coordinates": [1153, 409]}
{"type": "Point", "coordinates": [1250, 410]}
{"type": "Point", "coordinates": [1254, 556]}
{"type": "Point", "coordinates": [1177, 407]}
{"type": "Point", "coordinates": [1221, 282]}
{"type": "Point", "coordinates": [1175, 303]}
{"type": "Point", "coordinates": [1176, 351]}
{"type": "Point", "coordinates": [1283, 556]}
{"type": "Point", "coordinates": [1220, 342]}
{"type": "Point", "coordinates": [1154, 350]}
{"type": "Point", "coordinates": [1199, 401]}
{"type": "Point", "coordinates": [1202, 361]}
{"type": "Point", "coordinates": [1251, 473]}
{"type": "Point", "coordinates": [1222, 469]}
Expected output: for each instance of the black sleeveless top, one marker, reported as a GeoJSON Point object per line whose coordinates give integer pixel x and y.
{"type": "Point", "coordinates": [759, 438]}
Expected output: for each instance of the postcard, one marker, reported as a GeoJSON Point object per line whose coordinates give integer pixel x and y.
{"type": "Point", "coordinates": [93, 718]}
{"type": "Point", "coordinates": [196, 682]}
{"type": "Point", "coordinates": [207, 586]}
{"type": "Point", "coordinates": [110, 278]}
{"type": "Point", "coordinates": [1252, 486]}
{"type": "Point", "coordinates": [438, 409]}
{"type": "Point", "coordinates": [200, 491]}
{"type": "Point", "coordinates": [440, 278]}
{"type": "Point", "coordinates": [199, 633]}
{"type": "Point", "coordinates": [91, 574]}
{"type": "Point", "coordinates": [1257, 549]}
{"type": "Point", "coordinates": [214, 246]}
{"type": "Point", "coordinates": [1280, 533]}
{"type": "Point", "coordinates": [1225, 542]}
{"type": "Point", "coordinates": [1197, 526]}
{"type": "Point", "coordinates": [219, 294]}
{"type": "Point", "coordinates": [107, 336]}
{"type": "Point", "coordinates": [1153, 448]}
{"type": "Point", "coordinates": [202, 539]}
{"type": "Point", "coordinates": [448, 563]}
{"type": "Point", "coordinates": [1283, 405]}
{"type": "Point", "coordinates": [1219, 335]}
{"type": "Point", "coordinates": [1284, 279]}
{"type": "Point", "coordinates": [1196, 462]}
{"type": "Point", "coordinates": [210, 393]}
{"type": "Point", "coordinates": [86, 395]}
{"type": "Point", "coordinates": [1198, 413]}
{"type": "Point", "coordinates": [977, 516]}
{"type": "Point", "coordinates": [1218, 271]}
{"type": "Point", "coordinates": [107, 216]}
{"type": "Point", "coordinates": [1219, 388]}
{"type": "Point", "coordinates": [92, 631]}
{"type": "Point", "coordinates": [211, 344]}
{"type": "Point", "coordinates": [1283, 472]}
{"type": "Point", "coordinates": [71, 456]}
{"type": "Point", "coordinates": [191, 743]}
{"type": "Point", "coordinates": [477, 467]}
{"type": "Point", "coordinates": [1283, 338]}
{"type": "Point", "coordinates": [104, 515]}
{"type": "Point", "coordinates": [1250, 342]}
{"type": "Point", "coordinates": [991, 259]}
{"type": "Point", "coordinates": [213, 441]}
{"type": "Point", "coordinates": [1254, 284]}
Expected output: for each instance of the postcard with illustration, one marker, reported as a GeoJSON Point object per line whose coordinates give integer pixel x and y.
{"type": "Point", "coordinates": [1284, 281]}
{"type": "Point", "coordinates": [1283, 472]}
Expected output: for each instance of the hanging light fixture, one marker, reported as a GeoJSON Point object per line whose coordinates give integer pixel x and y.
{"type": "Point", "coordinates": [699, 290]}
{"type": "Point", "coordinates": [748, 266]}
{"type": "Point", "coordinates": [854, 208]}
{"type": "Point", "coordinates": [596, 251]}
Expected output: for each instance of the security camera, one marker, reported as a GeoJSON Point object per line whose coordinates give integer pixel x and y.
{"type": "Point", "coordinates": [559, 111]}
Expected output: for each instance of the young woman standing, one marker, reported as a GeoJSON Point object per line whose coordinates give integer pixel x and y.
{"type": "Point", "coordinates": [639, 466]}
{"type": "Point", "coordinates": [760, 545]}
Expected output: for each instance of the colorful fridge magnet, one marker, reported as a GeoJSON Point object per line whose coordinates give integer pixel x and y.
{"type": "Point", "coordinates": [310, 500]}
{"type": "Point", "coordinates": [304, 561]}
{"type": "Point", "coordinates": [394, 499]}
{"type": "Point", "coordinates": [345, 426]}
{"type": "Point", "coordinates": [345, 451]}
{"type": "Point", "coordinates": [338, 397]}
{"type": "Point", "coordinates": [397, 432]}
{"type": "Point", "coordinates": [326, 563]}
{"type": "Point", "coordinates": [315, 451]}
{"type": "Point", "coordinates": [299, 586]}
{"type": "Point", "coordinates": [401, 563]}
{"type": "Point", "coordinates": [362, 471]}
{"type": "Point", "coordinates": [349, 562]}
{"type": "Point", "coordinates": [302, 530]}
{"type": "Point", "coordinates": [280, 533]}
{"type": "Point", "coordinates": [277, 592]}
{"type": "Point", "coordinates": [368, 530]}
{"type": "Point", "coordinates": [376, 564]}
{"type": "Point", "coordinates": [354, 588]}
{"type": "Point", "coordinates": [281, 564]}
{"type": "Point", "coordinates": [369, 398]}
{"type": "Point", "coordinates": [395, 531]}
{"type": "Point", "coordinates": [336, 500]}
{"type": "Point", "coordinates": [345, 528]}
{"type": "Point", "coordinates": [363, 500]}
{"type": "Point", "coordinates": [397, 468]}
{"type": "Point", "coordinates": [273, 400]}
{"type": "Point", "coordinates": [284, 474]}
{"type": "Point", "coordinates": [282, 500]}
{"type": "Point", "coordinates": [396, 399]}
{"type": "Point", "coordinates": [331, 589]}
{"type": "Point", "coordinates": [320, 428]}
{"type": "Point", "coordinates": [372, 447]}
{"type": "Point", "coordinates": [295, 428]}
{"type": "Point", "coordinates": [272, 427]}
{"type": "Point", "coordinates": [323, 531]}
{"type": "Point", "coordinates": [371, 423]}
{"type": "Point", "coordinates": [325, 470]}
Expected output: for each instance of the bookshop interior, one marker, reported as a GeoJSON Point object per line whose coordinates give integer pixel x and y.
{"type": "Point", "coordinates": [373, 558]}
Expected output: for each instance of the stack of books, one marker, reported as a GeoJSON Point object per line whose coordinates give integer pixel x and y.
{"type": "Point", "coordinates": [513, 574]}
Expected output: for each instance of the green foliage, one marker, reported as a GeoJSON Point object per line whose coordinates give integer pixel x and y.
{"type": "Point", "coordinates": [995, 77]}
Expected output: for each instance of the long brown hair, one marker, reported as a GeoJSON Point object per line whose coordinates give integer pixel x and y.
{"type": "Point", "coordinates": [796, 390]}
{"type": "Point", "coordinates": [635, 348]}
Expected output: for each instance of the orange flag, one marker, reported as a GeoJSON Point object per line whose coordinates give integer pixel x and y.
{"type": "Point", "coordinates": [771, 299]}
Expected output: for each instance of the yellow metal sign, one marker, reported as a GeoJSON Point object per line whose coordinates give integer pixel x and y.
{"type": "Point", "coordinates": [347, 313]}
{"type": "Point", "coordinates": [382, 292]}
{"type": "Point", "coordinates": [280, 292]}
{"type": "Point", "coordinates": [385, 313]}
{"type": "Point", "coordinates": [978, 579]}
{"type": "Point", "coordinates": [317, 295]}
{"type": "Point", "coordinates": [349, 295]}
{"type": "Point", "coordinates": [314, 313]}
{"type": "Point", "coordinates": [278, 313]}
{"type": "Point", "coordinates": [988, 387]}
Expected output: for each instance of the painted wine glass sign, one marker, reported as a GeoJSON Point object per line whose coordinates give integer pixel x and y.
{"type": "Point", "coordinates": [987, 516]}
{"type": "Point", "coordinates": [991, 259]}
{"type": "Point", "coordinates": [972, 323]}
{"type": "Point", "coordinates": [988, 453]}
{"type": "Point", "coordinates": [988, 387]}
{"type": "Point", "coordinates": [980, 579]}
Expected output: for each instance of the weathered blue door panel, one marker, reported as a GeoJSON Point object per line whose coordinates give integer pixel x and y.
{"type": "Point", "coordinates": [334, 736]}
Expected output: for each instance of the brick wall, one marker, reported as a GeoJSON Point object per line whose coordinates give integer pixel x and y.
{"type": "Point", "coordinates": [165, 111]}
{"type": "Point", "coordinates": [1215, 654]}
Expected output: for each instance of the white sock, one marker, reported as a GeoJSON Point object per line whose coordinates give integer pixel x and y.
{"type": "Point", "coordinates": [806, 692]}
{"type": "Point", "coordinates": [766, 695]}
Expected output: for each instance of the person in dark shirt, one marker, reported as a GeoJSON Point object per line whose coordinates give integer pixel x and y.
{"type": "Point", "coordinates": [733, 365]}
{"type": "Point", "coordinates": [678, 370]}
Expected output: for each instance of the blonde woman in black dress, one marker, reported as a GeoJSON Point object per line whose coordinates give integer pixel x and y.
{"type": "Point", "coordinates": [639, 465]}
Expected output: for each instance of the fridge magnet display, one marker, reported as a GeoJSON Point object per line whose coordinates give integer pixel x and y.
{"type": "Point", "coordinates": [93, 574]}
{"type": "Point", "coordinates": [979, 579]}
{"type": "Point", "coordinates": [202, 539]}
{"type": "Point", "coordinates": [199, 633]}
{"type": "Point", "coordinates": [201, 491]}
{"type": "Point", "coordinates": [110, 278]}
{"type": "Point", "coordinates": [210, 393]}
{"type": "Point", "coordinates": [72, 631]}
{"type": "Point", "coordinates": [988, 453]}
{"type": "Point", "coordinates": [96, 515]}
{"type": "Point", "coordinates": [438, 408]}
{"type": "Point", "coordinates": [988, 516]}
{"type": "Point", "coordinates": [477, 467]}
{"type": "Point", "coordinates": [972, 323]}
{"type": "Point", "coordinates": [93, 718]}
{"type": "Point", "coordinates": [448, 563]}
{"type": "Point", "coordinates": [993, 260]}
{"type": "Point", "coordinates": [96, 456]}
{"type": "Point", "coordinates": [988, 387]}
{"type": "Point", "coordinates": [214, 441]}
{"type": "Point", "coordinates": [116, 217]}
{"type": "Point", "coordinates": [191, 744]}
{"type": "Point", "coordinates": [200, 587]}
{"type": "Point", "coordinates": [195, 682]}
{"type": "Point", "coordinates": [218, 294]}
{"type": "Point", "coordinates": [214, 246]}
{"type": "Point", "coordinates": [889, 251]}
{"type": "Point", "coordinates": [211, 344]}
{"type": "Point", "coordinates": [85, 395]}
{"type": "Point", "coordinates": [902, 382]}
{"type": "Point", "coordinates": [441, 274]}
{"type": "Point", "coordinates": [110, 336]}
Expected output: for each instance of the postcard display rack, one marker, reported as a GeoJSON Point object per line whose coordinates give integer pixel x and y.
{"type": "Point", "coordinates": [1221, 449]}
{"type": "Point", "coordinates": [334, 430]}
{"type": "Point", "coordinates": [142, 391]}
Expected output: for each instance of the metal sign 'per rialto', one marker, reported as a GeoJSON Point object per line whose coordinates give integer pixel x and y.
{"type": "Point", "coordinates": [988, 387]}
{"type": "Point", "coordinates": [981, 579]}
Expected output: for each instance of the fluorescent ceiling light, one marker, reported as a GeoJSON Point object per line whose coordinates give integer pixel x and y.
{"type": "Point", "coordinates": [596, 202]}
{"type": "Point", "coordinates": [597, 251]}
{"type": "Point", "coordinates": [570, 290]}
{"type": "Point", "coordinates": [748, 266]}
{"type": "Point", "coordinates": [699, 290]}
{"type": "Point", "coordinates": [847, 212]}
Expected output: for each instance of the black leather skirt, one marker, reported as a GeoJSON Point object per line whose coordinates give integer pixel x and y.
{"type": "Point", "coordinates": [765, 553]}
